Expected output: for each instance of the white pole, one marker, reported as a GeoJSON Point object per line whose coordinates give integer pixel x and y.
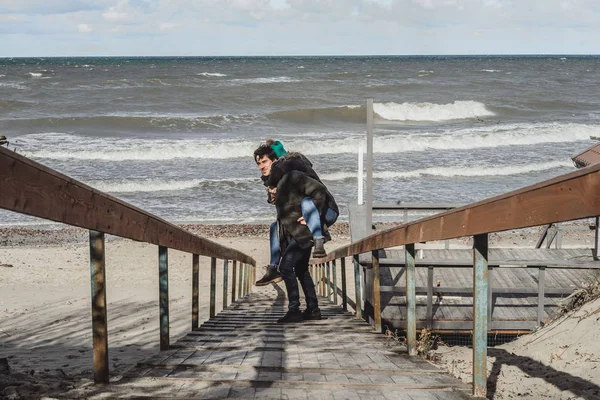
{"type": "Point", "coordinates": [369, 199]}
{"type": "Point", "coordinates": [360, 174]}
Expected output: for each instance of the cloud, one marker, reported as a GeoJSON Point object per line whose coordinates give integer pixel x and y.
{"type": "Point", "coordinates": [84, 28]}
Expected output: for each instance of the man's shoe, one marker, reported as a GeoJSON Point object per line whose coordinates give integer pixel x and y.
{"type": "Point", "coordinates": [271, 276]}
{"type": "Point", "coordinates": [319, 249]}
{"type": "Point", "coordinates": [293, 315]}
{"type": "Point", "coordinates": [311, 314]}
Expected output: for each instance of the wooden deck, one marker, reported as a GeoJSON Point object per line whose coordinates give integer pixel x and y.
{"type": "Point", "coordinates": [244, 353]}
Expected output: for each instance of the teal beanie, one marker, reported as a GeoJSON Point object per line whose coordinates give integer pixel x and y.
{"type": "Point", "coordinates": [278, 149]}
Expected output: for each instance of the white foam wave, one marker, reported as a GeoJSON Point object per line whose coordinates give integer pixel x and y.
{"type": "Point", "coordinates": [490, 70]}
{"type": "Point", "coordinates": [211, 74]}
{"type": "Point", "coordinates": [109, 149]}
{"type": "Point", "coordinates": [157, 185]}
{"type": "Point", "coordinates": [2, 75]}
{"type": "Point", "coordinates": [431, 112]}
{"type": "Point", "coordinates": [35, 74]}
{"type": "Point", "coordinates": [275, 79]}
{"type": "Point", "coordinates": [457, 171]}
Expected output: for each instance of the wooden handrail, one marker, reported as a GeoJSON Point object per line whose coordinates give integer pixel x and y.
{"type": "Point", "coordinates": [567, 197]}
{"type": "Point", "coordinates": [31, 188]}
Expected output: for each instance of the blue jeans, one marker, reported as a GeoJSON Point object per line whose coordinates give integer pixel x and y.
{"type": "Point", "coordinates": [310, 213]}
{"type": "Point", "coordinates": [294, 268]}
{"type": "Point", "coordinates": [313, 218]}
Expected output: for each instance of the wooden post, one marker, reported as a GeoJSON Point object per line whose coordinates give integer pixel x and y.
{"type": "Point", "coordinates": [213, 286]}
{"type": "Point", "coordinates": [233, 281]}
{"type": "Point", "coordinates": [429, 297]}
{"type": "Point", "coordinates": [369, 197]}
{"type": "Point", "coordinates": [376, 291]}
{"type": "Point", "coordinates": [163, 283]}
{"type": "Point", "coordinates": [357, 287]}
{"type": "Point", "coordinates": [195, 289]}
{"type": "Point", "coordinates": [344, 289]}
{"type": "Point", "coordinates": [411, 300]}
{"type": "Point", "coordinates": [541, 295]}
{"type": "Point", "coordinates": [99, 324]}
{"type": "Point", "coordinates": [480, 321]}
{"type": "Point", "coordinates": [225, 282]}
{"type": "Point", "coordinates": [335, 295]}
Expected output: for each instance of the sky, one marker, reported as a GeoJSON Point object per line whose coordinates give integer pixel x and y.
{"type": "Point", "coordinates": [43, 28]}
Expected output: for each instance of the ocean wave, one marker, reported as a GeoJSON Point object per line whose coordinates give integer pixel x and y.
{"type": "Point", "coordinates": [431, 112]}
{"type": "Point", "coordinates": [139, 123]}
{"type": "Point", "coordinates": [35, 74]}
{"type": "Point", "coordinates": [457, 171]}
{"type": "Point", "coordinates": [211, 74]}
{"type": "Point", "coordinates": [490, 70]}
{"type": "Point", "coordinates": [275, 79]}
{"type": "Point", "coordinates": [161, 185]}
{"type": "Point", "coordinates": [388, 112]}
{"type": "Point", "coordinates": [65, 146]}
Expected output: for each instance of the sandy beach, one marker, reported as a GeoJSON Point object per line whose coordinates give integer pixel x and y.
{"type": "Point", "coordinates": [45, 317]}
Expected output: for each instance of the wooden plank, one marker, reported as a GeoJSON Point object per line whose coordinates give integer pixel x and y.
{"type": "Point", "coordinates": [568, 197]}
{"type": "Point", "coordinates": [31, 188]}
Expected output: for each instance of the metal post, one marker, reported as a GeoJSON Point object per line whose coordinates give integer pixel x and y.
{"type": "Point", "coordinates": [597, 239]}
{"type": "Point", "coordinates": [335, 295]}
{"type": "Point", "coordinates": [376, 290]}
{"type": "Point", "coordinates": [225, 282]}
{"type": "Point", "coordinates": [240, 280]}
{"type": "Point", "coordinates": [411, 300]}
{"type": "Point", "coordinates": [344, 289]}
{"type": "Point", "coordinates": [195, 289]}
{"type": "Point", "coordinates": [480, 325]}
{"type": "Point", "coordinates": [213, 286]}
{"type": "Point", "coordinates": [233, 281]}
{"type": "Point", "coordinates": [328, 282]}
{"type": "Point", "coordinates": [357, 287]}
{"type": "Point", "coordinates": [490, 309]}
{"type": "Point", "coordinates": [99, 324]}
{"type": "Point", "coordinates": [541, 295]}
{"type": "Point", "coordinates": [429, 297]}
{"type": "Point", "coordinates": [369, 199]}
{"type": "Point", "coordinates": [163, 279]}
{"type": "Point", "coordinates": [245, 280]}
{"type": "Point", "coordinates": [361, 172]}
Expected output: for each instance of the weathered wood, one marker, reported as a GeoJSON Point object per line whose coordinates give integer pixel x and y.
{"type": "Point", "coordinates": [543, 236]}
{"type": "Point", "coordinates": [34, 189]}
{"type": "Point", "coordinates": [567, 197]}
{"type": "Point", "coordinates": [429, 296]}
{"type": "Point", "coordinates": [163, 283]}
{"type": "Point", "coordinates": [335, 293]}
{"type": "Point", "coordinates": [597, 238]}
{"type": "Point", "coordinates": [541, 295]}
{"type": "Point", "coordinates": [99, 324]}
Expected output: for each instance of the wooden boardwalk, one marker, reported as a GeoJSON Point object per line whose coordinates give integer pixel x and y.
{"type": "Point", "coordinates": [244, 353]}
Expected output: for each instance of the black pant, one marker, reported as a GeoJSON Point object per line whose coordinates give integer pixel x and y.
{"type": "Point", "coordinates": [294, 267]}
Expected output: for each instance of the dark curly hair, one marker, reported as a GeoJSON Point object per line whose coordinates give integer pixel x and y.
{"type": "Point", "coordinates": [265, 150]}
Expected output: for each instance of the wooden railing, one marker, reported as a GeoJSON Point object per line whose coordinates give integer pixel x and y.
{"type": "Point", "coordinates": [30, 188]}
{"type": "Point", "coordinates": [568, 197]}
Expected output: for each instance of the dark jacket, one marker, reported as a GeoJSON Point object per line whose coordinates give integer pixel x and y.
{"type": "Point", "coordinates": [291, 189]}
{"type": "Point", "coordinates": [298, 162]}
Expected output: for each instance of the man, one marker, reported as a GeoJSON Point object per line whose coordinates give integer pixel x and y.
{"type": "Point", "coordinates": [272, 154]}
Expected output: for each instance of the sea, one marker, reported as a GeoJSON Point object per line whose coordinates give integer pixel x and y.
{"type": "Point", "coordinates": [175, 135]}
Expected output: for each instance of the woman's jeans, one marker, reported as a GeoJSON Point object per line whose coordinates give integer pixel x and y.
{"type": "Point", "coordinates": [310, 213]}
